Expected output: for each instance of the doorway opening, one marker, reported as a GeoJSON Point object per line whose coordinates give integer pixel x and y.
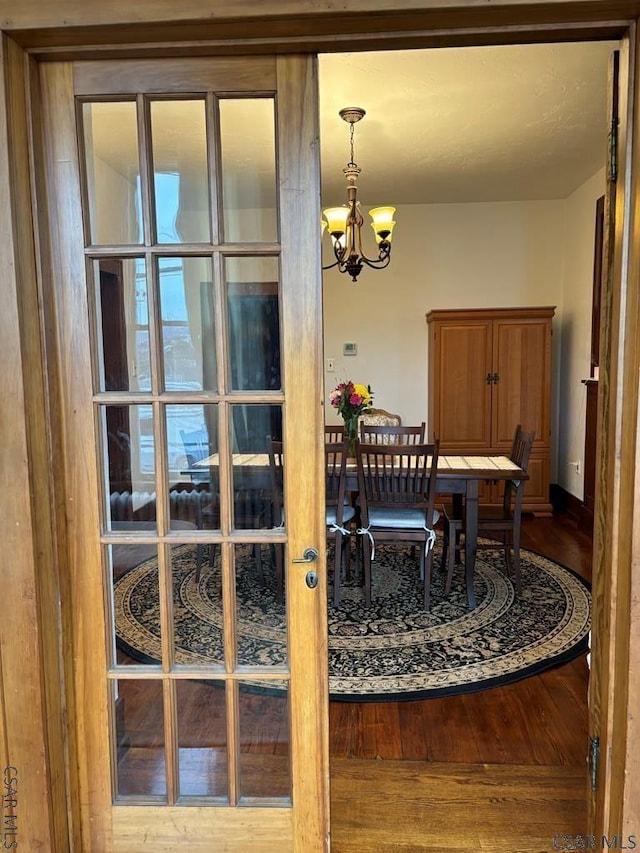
{"type": "Point", "coordinates": [495, 200]}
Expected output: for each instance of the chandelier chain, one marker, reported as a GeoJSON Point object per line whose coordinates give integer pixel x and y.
{"type": "Point", "coordinates": [351, 131]}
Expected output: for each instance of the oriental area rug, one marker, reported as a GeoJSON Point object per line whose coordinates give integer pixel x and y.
{"type": "Point", "coordinates": [390, 651]}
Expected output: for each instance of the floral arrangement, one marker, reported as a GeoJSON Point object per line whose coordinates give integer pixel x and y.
{"type": "Point", "coordinates": [351, 399]}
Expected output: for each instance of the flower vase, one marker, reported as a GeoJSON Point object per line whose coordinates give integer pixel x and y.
{"type": "Point", "coordinates": [351, 431]}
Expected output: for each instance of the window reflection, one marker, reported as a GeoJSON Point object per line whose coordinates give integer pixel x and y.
{"type": "Point", "coordinates": [129, 449]}
{"type": "Point", "coordinates": [188, 334]}
{"type": "Point", "coordinates": [253, 317]}
{"type": "Point", "coordinates": [112, 172]}
{"type": "Point", "coordinates": [123, 319]}
{"type": "Point", "coordinates": [181, 184]}
{"type": "Point", "coordinates": [249, 195]}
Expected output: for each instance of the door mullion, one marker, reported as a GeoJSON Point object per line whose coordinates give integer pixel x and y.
{"type": "Point", "coordinates": [171, 739]}
{"type": "Point", "coordinates": [155, 338]}
{"type": "Point", "coordinates": [147, 194]}
{"type": "Point", "coordinates": [213, 161]}
{"type": "Point", "coordinates": [233, 740]}
{"type": "Point", "coordinates": [224, 411]}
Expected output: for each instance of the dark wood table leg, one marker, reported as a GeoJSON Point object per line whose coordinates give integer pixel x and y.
{"type": "Point", "coordinates": [471, 538]}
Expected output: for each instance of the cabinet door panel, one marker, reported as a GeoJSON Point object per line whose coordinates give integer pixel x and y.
{"type": "Point", "coordinates": [521, 357]}
{"type": "Point", "coordinates": [462, 393]}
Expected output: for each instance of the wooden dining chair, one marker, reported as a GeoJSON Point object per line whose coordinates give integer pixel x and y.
{"type": "Point", "coordinates": [384, 434]}
{"type": "Point", "coordinates": [397, 492]}
{"type": "Point", "coordinates": [334, 433]}
{"type": "Point", "coordinates": [500, 525]}
{"type": "Point", "coordinates": [380, 417]}
{"type": "Point", "coordinates": [339, 513]}
{"type": "Point", "coordinates": [197, 447]}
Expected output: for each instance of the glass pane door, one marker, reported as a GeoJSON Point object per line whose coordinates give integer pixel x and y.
{"type": "Point", "coordinates": [193, 312]}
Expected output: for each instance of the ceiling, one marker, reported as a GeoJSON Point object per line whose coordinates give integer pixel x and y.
{"type": "Point", "coordinates": [443, 125]}
{"type": "Point", "coordinates": [465, 124]}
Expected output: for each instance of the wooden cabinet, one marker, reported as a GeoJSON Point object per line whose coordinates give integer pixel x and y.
{"type": "Point", "coordinates": [490, 370]}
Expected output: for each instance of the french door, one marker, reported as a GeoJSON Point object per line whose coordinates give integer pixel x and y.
{"type": "Point", "coordinates": [183, 199]}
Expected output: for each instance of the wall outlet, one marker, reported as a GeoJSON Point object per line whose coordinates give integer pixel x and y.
{"type": "Point", "coordinates": [331, 365]}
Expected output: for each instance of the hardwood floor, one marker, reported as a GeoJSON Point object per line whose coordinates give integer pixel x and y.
{"type": "Point", "coordinates": [402, 807]}
{"type": "Point", "coordinates": [499, 770]}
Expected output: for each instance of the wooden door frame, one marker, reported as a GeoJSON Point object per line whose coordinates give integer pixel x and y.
{"type": "Point", "coordinates": [33, 629]}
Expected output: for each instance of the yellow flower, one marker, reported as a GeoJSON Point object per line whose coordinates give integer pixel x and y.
{"type": "Point", "coordinates": [363, 392]}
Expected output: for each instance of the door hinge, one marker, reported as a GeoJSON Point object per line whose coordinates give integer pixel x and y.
{"type": "Point", "coordinates": [613, 151]}
{"type": "Point", "coordinates": [615, 117]}
{"type": "Point", "coordinates": [594, 761]}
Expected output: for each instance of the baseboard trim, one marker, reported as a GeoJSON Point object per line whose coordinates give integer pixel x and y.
{"type": "Point", "coordinates": [564, 501]}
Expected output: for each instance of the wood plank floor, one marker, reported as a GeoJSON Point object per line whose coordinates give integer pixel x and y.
{"type": "Point", "coordinates": [499, 770]}
{"type": "Point", "coordinates": [405, 806]}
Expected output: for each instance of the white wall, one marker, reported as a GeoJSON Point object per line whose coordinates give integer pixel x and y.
{"type": "Point", "coordinates": [489, 254]}
{"type": "Point", "coordinates": [575, 324]}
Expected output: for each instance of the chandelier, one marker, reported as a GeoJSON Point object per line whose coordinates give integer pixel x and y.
{"type": "Point", "coordinates": [344, 223]}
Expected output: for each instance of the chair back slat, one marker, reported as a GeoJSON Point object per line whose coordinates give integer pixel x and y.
{"type": "Point", "coordinates": [196, 445]}
{"type": "Point", "coordinates": [334, 433]}
{"type": "Point", "coordinates": [397, 475]}
{"type": "Point", "coordinates": [520, 453]}
{"type": "Point", "coordinates": [276, 479]}
{"type": "Point", "coordinates": [335, 467]}
{"type": "Point", "coordinates": [388, 434]}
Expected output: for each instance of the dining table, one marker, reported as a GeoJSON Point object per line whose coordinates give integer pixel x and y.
{"type": "Point", "coordinates": [459, 476]}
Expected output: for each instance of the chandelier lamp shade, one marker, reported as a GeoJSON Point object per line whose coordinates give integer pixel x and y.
{"type": "Point", "coordinates": [344, 224]}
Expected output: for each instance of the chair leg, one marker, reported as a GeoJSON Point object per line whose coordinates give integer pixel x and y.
{"type": "Point", "coordinates": [358, 559]}
{"type": "Point", "coordinates": [445, 547]}
{"type": "Point", "coordinates": [199, 555]}
{"type": "Point", "coordinates": [257, 555]}
{"type": "Point", "coordinates": [279, 551]}
{"type": "Point", "coordinates": [366, 555]}
{"type": "Point", "coordinates": [346, 555]}
{"type": "Point", "coordinates": [198, 562]}
{"type": "Point", "coordinates": [427, 566]}
{"type": "Point", "coordinates": [516, 558]}
{"type": "Point", "coordinates": [337, 570]}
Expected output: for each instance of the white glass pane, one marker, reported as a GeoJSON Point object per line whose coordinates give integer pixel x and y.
{"type": "Point", "coordinates": [140, 756]}
{"type": "Point", "coordinates": [181, 186]}
{"type": "Point", "coordinates": [188, 329]}
{"type": "Point", "coordinates": [253, 320]}
{"type": "Point", "coordinates": [113, 171]}
{"type": "Point", "coordinates": [128, 451]}
{"type": "Point", "coordinates": [247, 130]}
{"type": "Point", "coordinates": [123, 323]}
